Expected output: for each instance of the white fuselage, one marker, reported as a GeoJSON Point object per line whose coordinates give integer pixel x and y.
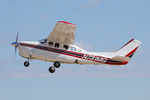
{"type": "Point", "coordinates": [36, 50]}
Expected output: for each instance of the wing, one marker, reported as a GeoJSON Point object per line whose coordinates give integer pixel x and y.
{"type": "Point", "coordinates": [63, 32]}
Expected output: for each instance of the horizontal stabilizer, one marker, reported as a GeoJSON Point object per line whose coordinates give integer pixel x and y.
{"type": "Point", "coordinates": [120, 58]}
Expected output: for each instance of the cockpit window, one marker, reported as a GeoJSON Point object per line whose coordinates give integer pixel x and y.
{"type": "Point", "coordinates": [66, 47]}
{"type": "Point", "coordinates": [43, 41]}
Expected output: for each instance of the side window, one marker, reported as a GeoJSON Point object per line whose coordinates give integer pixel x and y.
{"type": "Point", "coordinates": [66, 47]}
{"type": "Point", "coordinates": [56, 45]}
{"type": "Point", "coordinates": [50, 43]}
{"type": "Point", "coordinates": [73, 49]}
{"type": "Point", "coordinates": [79, 50]}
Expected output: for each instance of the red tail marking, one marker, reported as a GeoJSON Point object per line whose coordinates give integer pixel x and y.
{"type": "Point", "coordinates": [130, 53]}
{"type": "Point", "coordinates": [127, 43]}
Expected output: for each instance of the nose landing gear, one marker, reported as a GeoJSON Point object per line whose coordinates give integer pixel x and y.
{"type": "Point", "coordinates": [26, 63]}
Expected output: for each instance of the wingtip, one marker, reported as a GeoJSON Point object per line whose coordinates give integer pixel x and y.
{"type": "Point", "coordinates": [65, 22]}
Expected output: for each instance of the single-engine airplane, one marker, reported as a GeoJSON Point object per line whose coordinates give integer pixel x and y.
{"type": "Point", "coordinates": [59, 48]}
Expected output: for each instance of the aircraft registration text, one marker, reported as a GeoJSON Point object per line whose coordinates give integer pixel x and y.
{"type": "Point", "coordinates": [94, 58]}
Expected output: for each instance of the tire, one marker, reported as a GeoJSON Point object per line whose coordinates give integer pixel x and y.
{"type": "Point", "coordinates": [52, 69]}
{"type": "Point", "coordinates": [56, 64]}
{"type": "Point", "coordinates": [26, 63]}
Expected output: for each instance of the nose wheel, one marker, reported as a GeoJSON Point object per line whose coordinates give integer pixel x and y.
{"type": "Point", "coordinates": [26, 63]}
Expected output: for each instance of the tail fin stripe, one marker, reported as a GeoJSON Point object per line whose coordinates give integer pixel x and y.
{"type": "Point", "coordinates": [130, 53]}
{"type": "Point", "coordinates": [127, 43]}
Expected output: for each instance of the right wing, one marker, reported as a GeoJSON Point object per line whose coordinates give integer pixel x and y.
{"type": "Point", "coordinates": [63, 32]}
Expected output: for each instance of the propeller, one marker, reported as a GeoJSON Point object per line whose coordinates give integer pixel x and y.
{"type": "Point", "coordinates": [15, 44]}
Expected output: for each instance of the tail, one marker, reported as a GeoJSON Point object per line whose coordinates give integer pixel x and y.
{"type": "Point", "coordinates": [127, 51]}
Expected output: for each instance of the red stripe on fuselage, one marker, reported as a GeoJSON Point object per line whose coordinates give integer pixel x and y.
{"type": "Point", "coordinates": [122, 63]}
{"type": "Point", "coordinates": [53, 50]}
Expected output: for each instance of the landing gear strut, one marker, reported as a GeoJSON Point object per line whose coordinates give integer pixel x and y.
{"type": "Point", "coordinates": [26, 63]}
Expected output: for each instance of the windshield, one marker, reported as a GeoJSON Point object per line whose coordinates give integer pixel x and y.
{"type": "Point", "coordinates": [42, 41]}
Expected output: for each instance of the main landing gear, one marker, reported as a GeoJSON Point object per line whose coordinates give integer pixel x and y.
{"type": "Point", "coordinates": [56, 65]}
{"type": "Point", "coordinates": [51, 69]}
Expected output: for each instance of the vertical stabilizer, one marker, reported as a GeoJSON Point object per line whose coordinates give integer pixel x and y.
{"type": "Point", "coordinates": [129, 49]}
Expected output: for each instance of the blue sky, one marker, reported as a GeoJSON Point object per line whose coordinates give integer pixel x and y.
{"type": "Point", "coordinates": [102, 25]}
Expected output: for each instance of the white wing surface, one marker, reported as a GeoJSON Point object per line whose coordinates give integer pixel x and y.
{"type": "Point", "coordinates": [63, 32]}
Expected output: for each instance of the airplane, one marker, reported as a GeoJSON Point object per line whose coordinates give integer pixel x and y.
{"type": "Point", "coordinates": [59, 48]}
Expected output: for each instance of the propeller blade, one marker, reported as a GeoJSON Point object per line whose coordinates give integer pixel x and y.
{"type": "Point", "coordinates": [16, 42]}
{"type": "Point", "coordinates": [15, 49]}
{"type": "Point", "coordinates": [17, 36]}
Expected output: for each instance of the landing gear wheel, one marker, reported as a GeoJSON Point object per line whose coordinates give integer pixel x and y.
{"type": "Point", "coordinates": [26, 63]}
{"type": "Point", "coordinates": [52, 69]}
{"type": "Point", "coordinates": [56, 64]}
